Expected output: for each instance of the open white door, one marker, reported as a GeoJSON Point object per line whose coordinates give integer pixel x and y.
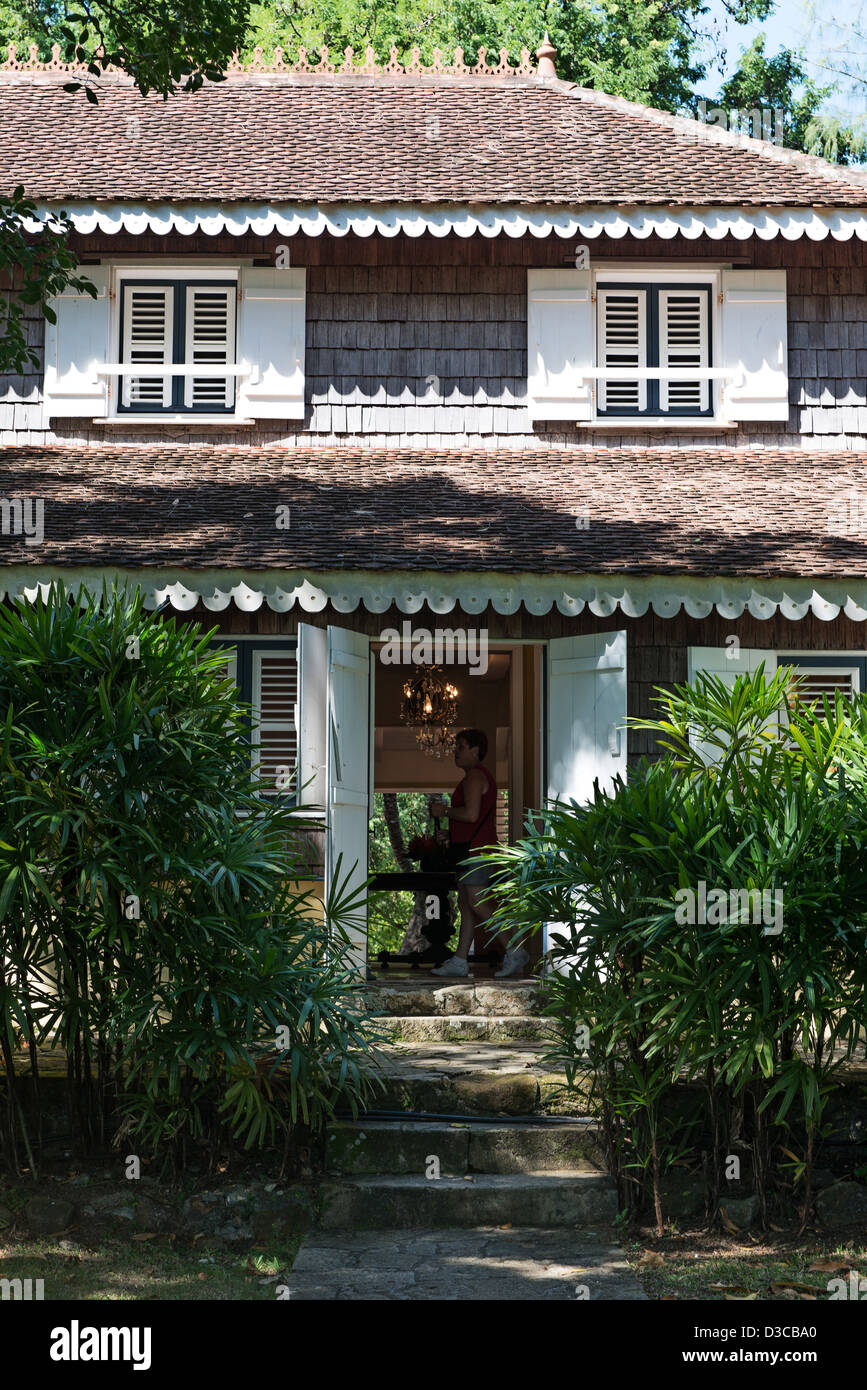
{"type": "Point", "coordinates": [586, 714]}
{"type": "Point", "coordinates": [347, 771]}
{"type": "Point", "coordinates": [586, 717]}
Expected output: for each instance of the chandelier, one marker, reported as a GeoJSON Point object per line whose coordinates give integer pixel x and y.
{"type": "Point", "coordinates": [435, 742]}
{"type": "Point", "coordinates": [429, 707]}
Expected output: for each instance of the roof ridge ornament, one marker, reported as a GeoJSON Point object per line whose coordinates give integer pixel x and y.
{"type": "Point", "coordinates": [546, 54]}
{"type": "Point", "coordinates": [365, 64]}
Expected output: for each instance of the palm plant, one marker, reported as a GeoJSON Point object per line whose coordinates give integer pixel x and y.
{"type": "Point", "coordinates": [755, 795]}
{"type": "Point", "coordinates": [153, 925]}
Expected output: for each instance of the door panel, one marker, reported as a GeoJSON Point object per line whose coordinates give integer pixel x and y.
{"type": "Point", "coordinates": [586, 714]}
{"type": "Point", "coordinates": [347, 770]}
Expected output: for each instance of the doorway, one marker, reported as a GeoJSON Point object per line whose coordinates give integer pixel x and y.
{"type": "Point", "coordinates": [504, 700]}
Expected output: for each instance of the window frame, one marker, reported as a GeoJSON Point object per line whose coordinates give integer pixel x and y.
{"type": "Point", "coordinates": [180, 280]}
{"type": "Point", "coordinates": [651, 286]}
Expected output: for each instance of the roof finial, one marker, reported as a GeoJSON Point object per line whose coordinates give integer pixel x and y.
{"type": "Point", "coordinates": [546, 55]}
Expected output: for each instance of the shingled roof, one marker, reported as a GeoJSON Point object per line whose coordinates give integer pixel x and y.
{"type": "Point", "coordinates": [319, 139]}
{"type": "Point", "coordinates": [720, 512]}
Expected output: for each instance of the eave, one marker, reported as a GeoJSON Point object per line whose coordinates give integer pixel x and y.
{"type": "Point", "coordinates": [462, 220]}
{"type": "Point", "coordinates": [344, 591]}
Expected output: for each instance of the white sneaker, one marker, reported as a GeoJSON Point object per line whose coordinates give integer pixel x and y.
{"type": "Point", "coordinates": [513, 963]}
{"type": "Point", "coordinates": [453, 968]}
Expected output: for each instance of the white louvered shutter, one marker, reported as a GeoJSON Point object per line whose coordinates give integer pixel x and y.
{"type": "Point", "coordinates": [312, 708]}
{"type": "Point", "coordinates": [586, 714]}
{"type": "Point", "coordinates": [622, 343]}
{"type": "Point", "coordinates": [274, 735]}
{"type": "Point", "coordinates": [348, 773]}
{"type": "Point", "coordinates": [586, 735]}
{"type": "Point", "coordinates": [75, 346]}
{"type": "Point", "coordinates": [210, 340]}
{"type": "Point", "coordinates": [684, 342]}
{"type": "Point", "coordinates": [755, 344]}
{"type": "Point", "coordinates": [148, 333]}
{"type": "Point", "coordinates": [559, 344]}
{"type": "Point", "coordinates": [271, 335]}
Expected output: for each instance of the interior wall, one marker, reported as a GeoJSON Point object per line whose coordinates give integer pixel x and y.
{"type": "Point", "coordinates": [483, 703]}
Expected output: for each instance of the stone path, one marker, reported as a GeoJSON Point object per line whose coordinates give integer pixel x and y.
{"type": "Point", "coordinates": [524, 1263]}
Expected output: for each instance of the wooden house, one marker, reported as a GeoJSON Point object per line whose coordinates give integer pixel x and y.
{"type": "Point", "coordinates": [443, 352]}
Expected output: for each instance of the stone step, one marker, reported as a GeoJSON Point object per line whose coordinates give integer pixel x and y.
{"type": "Point", "coordinates": [466, 1028]}
{"type": "Point", "coordinates": [403, 998]}
{"type": "Point", "coordinates": [389, 1146]}
{"type": "Point", "coordinates": [576, 1199]}
{"type": "Point", "coordinates": [469, 1078]}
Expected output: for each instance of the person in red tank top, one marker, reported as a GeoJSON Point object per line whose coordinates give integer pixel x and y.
{"type": "Point", "coordinates": [472, 820]}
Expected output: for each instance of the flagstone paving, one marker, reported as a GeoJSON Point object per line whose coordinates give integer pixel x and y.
{"type": "Point", "coordinates": [519, 1207]}
{"type": "Point", "coordinates": [517, 1264]}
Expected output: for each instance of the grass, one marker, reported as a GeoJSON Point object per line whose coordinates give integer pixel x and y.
{"type": "Point", "coordinates": [770, 1267]}
{"type": "Point", "coordinates": [115, 1269]}
{"type": "Point", "coordinates": [103, 1257]}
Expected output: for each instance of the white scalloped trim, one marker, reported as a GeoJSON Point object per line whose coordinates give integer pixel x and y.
{"type": "Point", "coordinates": [602, 595]}
{"type": "Point", "coordinates": [414, 221]}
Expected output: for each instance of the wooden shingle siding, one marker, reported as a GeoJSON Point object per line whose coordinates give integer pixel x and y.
{"type": "Point", "coordinates": [656, 647]}
{"type": "Point", "coordinates": [385, 315]}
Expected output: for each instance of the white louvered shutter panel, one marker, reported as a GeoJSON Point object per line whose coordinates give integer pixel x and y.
{"type": "Point", "coordinates": [349, 717]}
{"type": "Point", "coordinates": [622, 343]}
{"type": "Point", "coordinates": [683, 342]}
{"type": "Point", "coordinates": [312, 715]}
{"type": "Point", "coordinates": [586, 714]}
{"type": "Point", "coordinates": [559, 344]}
{"type": "Point", "coordinates": [75, 346]}
{"type": "Point", "coordinates": [755, 344]}
{"type": "Point", "coordinates": [586, 737]}
{"type": "Point", "coordinates": [210, 340]}
{"type": "Point", "coordinates": [271, 335]}
{"type": "Point", "coordinates": [274, 735]}
{"type": "Point", "coordinates": [148, 333]}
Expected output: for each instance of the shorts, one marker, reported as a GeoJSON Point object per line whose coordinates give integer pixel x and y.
{"type": "Point", "coordinates": [478, 875]}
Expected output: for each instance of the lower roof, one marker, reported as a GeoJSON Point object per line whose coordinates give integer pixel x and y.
{"type": "Point", "coordinates": [627, 528]}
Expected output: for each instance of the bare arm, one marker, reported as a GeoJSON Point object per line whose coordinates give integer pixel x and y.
{"type": "Point", "coordinates": [474, 790]}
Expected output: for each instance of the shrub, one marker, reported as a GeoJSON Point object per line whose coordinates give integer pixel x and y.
{"type": "Point", "coordinates": [761, 1017]}
{"type": "Point", "coordinates": [152, 923]}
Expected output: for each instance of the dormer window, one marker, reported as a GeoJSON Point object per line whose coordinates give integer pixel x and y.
{"type": "Point", "coordinates": [165, 341]}
{"type": "Point", "coordinates": [705, 345]}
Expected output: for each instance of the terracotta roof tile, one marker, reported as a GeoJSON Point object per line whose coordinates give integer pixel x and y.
{"type": "Point", "coordinates": [381, 139]}
{"type": "Point", "coordinates": [649, 511]}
